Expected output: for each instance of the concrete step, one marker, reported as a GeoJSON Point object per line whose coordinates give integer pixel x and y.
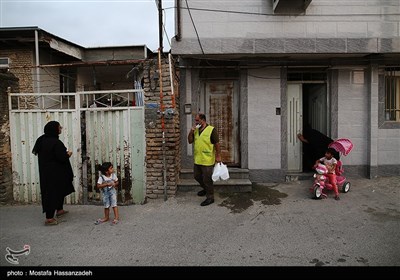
{"type": "Point", "coordinates": [293, 176]}
{"type": "Point", "coordinates": [234, 173]}
{"type": "Point", "coordinates": [230, 185]}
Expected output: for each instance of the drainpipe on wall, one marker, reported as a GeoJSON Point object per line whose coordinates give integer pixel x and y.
{"type": "Point", "coordinates": [172, 81]}
{"type": "Point", "coordinates": [160, 49]}
{"type": "Point", "coordinates": [37, 62]}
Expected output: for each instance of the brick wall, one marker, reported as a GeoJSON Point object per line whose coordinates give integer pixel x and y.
{"type": "Point", "coordinates": [20, 67]}
{"type": "Point", "coordinates": [154, 135]}
{"type": "Point", "coordinates": [6, 192]}
{"type": "Point", "coordinates": [21, 62]}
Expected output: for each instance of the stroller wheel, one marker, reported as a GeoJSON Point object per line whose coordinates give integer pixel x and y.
{"type": "Point", "coordinates": [346, 187]}
{"type": "Point", "coordinates": [317, 191]}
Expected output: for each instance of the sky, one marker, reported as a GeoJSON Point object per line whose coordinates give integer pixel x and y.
{"type": "Point", "coordinates": [94, 23]}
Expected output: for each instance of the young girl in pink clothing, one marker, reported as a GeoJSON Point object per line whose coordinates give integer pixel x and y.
{"type": "Point", "coordinates": [330, 162]}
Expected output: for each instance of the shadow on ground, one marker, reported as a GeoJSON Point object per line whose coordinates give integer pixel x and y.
{"type": "Point", "coordinates": [239, 202]}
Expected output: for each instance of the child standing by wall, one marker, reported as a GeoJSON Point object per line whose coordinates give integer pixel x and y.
{"type": "Point", "coordinates": [330, 162]}
{"type": "Point", "coordinates": [108, 184]}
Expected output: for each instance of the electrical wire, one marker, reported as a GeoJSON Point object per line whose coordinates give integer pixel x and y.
{"type": "Point", "coordinates": [282, 14]}
{"type": "Point", "coordinates": [195, 29]}
{"type": "Point", "coordinates": [165, 30]}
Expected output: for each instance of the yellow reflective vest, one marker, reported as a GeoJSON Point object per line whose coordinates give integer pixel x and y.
{"type": "Point", "coordinates": [204, 151]}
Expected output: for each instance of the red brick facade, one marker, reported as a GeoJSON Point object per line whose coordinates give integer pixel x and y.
{"type": "Point", "coordinates": [21, 67]}
{"type": "Point", "coordinates": [154, 136]}
{"type": "Point", "coordinates": [21, 62]}
{"type": "Point", "coordinates": [7, 80]}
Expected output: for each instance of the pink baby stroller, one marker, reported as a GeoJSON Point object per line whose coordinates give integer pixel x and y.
{"type": "Point", "coordinates": [321, 182]}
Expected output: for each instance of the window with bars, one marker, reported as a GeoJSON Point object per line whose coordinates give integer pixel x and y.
{"type": "Point", "coordinates": [392, 94]}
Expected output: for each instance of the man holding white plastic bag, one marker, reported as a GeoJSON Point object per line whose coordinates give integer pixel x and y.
{"type": "Point", "coordinates": [206, 153]}
{"type": "Point", "coordinates": [220, 172]}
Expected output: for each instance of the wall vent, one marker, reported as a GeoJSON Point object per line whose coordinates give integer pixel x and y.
{"type": "Point", "coordinates": [290, 6]}
{"type": "Point", "coordinates": [4, 62]}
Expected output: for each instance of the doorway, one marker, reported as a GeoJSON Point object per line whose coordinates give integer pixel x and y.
{"type": "Point", "coordinates": [221, 109]}
{"type": "Point", "coordinates": [307, 108]}
{"type": "Point", "coordinates": [315, 119]}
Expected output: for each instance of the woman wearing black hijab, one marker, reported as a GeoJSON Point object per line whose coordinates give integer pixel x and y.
{"type": "Point", "coordinates": [55, 171]}
{"type": "Point", "coordinates": [316, 144]}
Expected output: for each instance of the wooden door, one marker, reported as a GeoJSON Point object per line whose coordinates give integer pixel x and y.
{"type": "Point", "coordinates": [222, 113]}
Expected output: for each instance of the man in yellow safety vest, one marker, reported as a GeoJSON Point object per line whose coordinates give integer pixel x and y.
{"type": "Point", "coordinates": [206, 153]}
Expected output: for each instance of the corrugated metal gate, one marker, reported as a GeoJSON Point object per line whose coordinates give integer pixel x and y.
{"type": "Point", "coordinates": [25, 127]}
{"type": "Point", "coordinates": [97, 126]}
{"type": "Point", "coordinates": [116, 136]}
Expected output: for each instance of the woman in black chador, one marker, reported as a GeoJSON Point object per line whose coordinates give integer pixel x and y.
{"type": "Point", "coordinates": [315, 146]}
{"type": "Point", "coordinates": [55, 171]}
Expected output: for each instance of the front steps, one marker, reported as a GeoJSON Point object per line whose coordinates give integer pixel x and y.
{"type": "Point", "coordinates": [238, 181]}
{"type": "Point", "coordinates": [293, 176]}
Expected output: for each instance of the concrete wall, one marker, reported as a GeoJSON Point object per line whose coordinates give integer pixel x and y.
{"type": "Point", "coordinates": [251, 27]}
{"type": "Point", "coordinates": [322, 19]}
{"type": "Point", "coordinates": [115, 53]}
{"type": "Point", "coordinates": [389, 147]}
{"type": "Point", "coordinates": [49, 76]}
{"type": "Point", "coordinates": [264, 126]}
{"type": "Point", "coordinates": [353, 115]}
{"type": "Point", "coordinates": [332, 28]}
{"type": "Point", "coordinates": [353, 122]}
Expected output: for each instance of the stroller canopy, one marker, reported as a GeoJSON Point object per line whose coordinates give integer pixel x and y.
{"type": "Point", "coordinates": [342, 145]}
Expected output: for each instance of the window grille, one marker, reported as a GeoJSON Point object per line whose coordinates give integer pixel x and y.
{"type": "Point", "coordinates": [392, 94]}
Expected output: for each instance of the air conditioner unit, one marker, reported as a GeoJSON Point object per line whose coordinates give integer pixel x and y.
{"type": "Point", "coordinates": [290, 6]}
{"type": "Point", "coordinates": [4, 63]}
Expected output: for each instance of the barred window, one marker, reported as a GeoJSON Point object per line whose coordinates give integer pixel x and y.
{"type": "Point", "coordinates": [392, 94]}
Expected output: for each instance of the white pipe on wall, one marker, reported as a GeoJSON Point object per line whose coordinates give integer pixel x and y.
{"type": "Point", "coordinates": [37, 62]}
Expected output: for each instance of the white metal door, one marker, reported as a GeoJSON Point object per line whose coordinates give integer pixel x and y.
{"type": "Point", "coordinates": [294, 126]}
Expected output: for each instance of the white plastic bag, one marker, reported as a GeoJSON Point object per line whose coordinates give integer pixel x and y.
{"type": "Point", "coordinates": [224, 173]}
{"type": "Point", "coordinates": [220, 172]}
{"type": "Point", "coordinates": [216, 172]}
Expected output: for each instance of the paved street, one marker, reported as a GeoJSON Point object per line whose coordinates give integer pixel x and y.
{"type": "Point", "coordinates": [275, 225]}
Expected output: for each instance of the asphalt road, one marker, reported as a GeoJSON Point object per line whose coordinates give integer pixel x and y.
{"type": "Point", "coordinates": [275, 225]}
